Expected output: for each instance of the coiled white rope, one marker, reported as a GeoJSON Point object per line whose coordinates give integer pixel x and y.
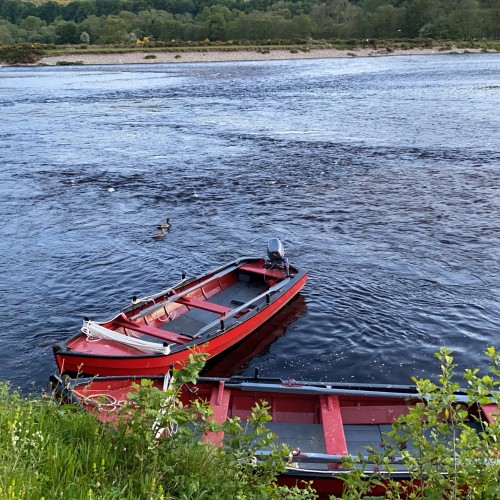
{"type": "Point", "coordinates": [101, 402]}
{"type": "Point", "coordinates": [94, 331]}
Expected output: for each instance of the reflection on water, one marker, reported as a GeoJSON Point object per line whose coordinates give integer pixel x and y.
{"type": "Point", "coordinates": [379, 175]}
{"type": "Point", "coordinates": [255, 349]}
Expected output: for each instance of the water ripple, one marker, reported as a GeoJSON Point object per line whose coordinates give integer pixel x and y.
{"type": "Point", "coordinates": [380, 176]}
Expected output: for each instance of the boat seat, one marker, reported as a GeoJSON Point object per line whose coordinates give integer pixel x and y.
{"type": "Point", "coordinates": [219, 402]}
{"type": "Point", "coordinates": [124, 322]}
{"type": "Point", "coordinates": [203, 304]}
{"type": "Point", "coordinates": [489, 411]}
{"type": "Point", "coordinates": [333, 428]}
{"type": "Point", "coordinates": [268, 273]}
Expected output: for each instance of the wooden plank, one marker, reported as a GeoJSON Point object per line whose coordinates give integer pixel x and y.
{"type": "Point", "coordinates": [203, 304]}
{"type": "Point", "coordinates": [333, 428]}
{"type": "Point", "coordinates": [124, 322]}
{"type": "Point", "coordinates": [219, 402]}
{"type": "Point", "coordinates": [489, 411]}
{"type": "Point", "coordinates": [258, 269]}
{"type": "Point", "coordinates": [372, 414]}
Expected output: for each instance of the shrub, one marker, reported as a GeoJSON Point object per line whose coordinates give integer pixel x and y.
{"type": "Point", "coordinates": [452, 457]}
{"type": "Point", "coordinates": [20, 54]}
{"type": "Point", "coordinates": [127, 459]}
{"type": "Point", "coordinates": [69, 63]}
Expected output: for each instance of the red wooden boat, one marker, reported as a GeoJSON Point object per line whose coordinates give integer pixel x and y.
{"type": "Point", "coordinates": [322, 422]}
{"type": "Point", "coordinates": [210, 314]}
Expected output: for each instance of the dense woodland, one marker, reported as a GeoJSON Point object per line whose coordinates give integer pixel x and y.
{"type": "Point", "coordinates": [166, 22]}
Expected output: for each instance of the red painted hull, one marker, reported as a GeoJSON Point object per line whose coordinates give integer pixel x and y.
{"type": "Point", "coordinates": [109, 359]}
{"type": "Point", "coordinates": [323, 421]}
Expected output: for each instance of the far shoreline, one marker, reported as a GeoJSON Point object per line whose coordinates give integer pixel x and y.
{"type": "Point", "coordinates": [221, 55]}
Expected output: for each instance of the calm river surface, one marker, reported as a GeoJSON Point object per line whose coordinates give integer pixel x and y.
{"type": "Point", "coordinates": [380, 175]}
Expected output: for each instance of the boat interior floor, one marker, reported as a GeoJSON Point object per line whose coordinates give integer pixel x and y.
{"type": "Point", "coordinates": [310, 439]}
{"type": "Point", "coordinates": [234, 296]}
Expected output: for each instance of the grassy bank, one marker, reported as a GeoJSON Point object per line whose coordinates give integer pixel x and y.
{"type": "Point", "coordinates": [32, 53]}
{"type": "Point", "coordinates": [48, 450]}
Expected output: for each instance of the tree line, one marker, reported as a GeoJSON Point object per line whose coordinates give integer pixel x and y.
{"type": "Point", "coordinates": [168, 21]}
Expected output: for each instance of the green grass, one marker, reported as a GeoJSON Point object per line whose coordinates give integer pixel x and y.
{"type": "Point", "coordinates": [49, 450]}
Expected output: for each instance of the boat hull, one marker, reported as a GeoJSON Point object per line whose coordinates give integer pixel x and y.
{"type": "Point", "coordinates": [78, 357]}
{"type": "Point", "coordinates": [322, 422]}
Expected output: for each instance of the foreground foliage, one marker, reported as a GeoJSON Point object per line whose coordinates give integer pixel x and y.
{"type": "Point", "coordinates": [53, 451]}
{"type": "Point", "coordinates": [448, 455]}
{"type": "Point", "coordinates": [49, 450]}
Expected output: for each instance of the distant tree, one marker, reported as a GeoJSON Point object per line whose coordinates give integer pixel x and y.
{"type": "Point", "coordinates": [113, 30]}
{"type": "Point", "coordinates": [436, 29]}
{"type": "Point", "coordinates": [419, 13]}
{"type": "Point", "coordinates": [92, 26]}
{"type": "Point", "coordinates": [195, 31]}
{"type": "Point", "coordinates": [146, 20]}
{"type": "Point", "coordinates": [107, 7]}
{"type": "Point", "coordinates": [464, 22]}
{"type": "Point", "coordinates": [6, 37]}
{"type": "Point", "coordinates": [79, 10]}
{"type": "Point", "coordinates": [84, 37]}
{"type": "Point", "coordinates": [302, 26]}
{"type": "Point", "coordinates": [217, 22]}
{"type": "Point", "coordinates": [48, 34]}
{"type": "Point", "coordinates": [371, 5]}
{"type": "Point", "coordinates": [49, 11]}
{"type": "Point", "coordinates": [248, 19]}
{"type": "Point", "coordinates": [32, 23]}
{"type": "Point", "coordinates": [12, 11]}
{"type": "Point", "coordinates": [67, 32]}
{"type": "Point", "coordinates": [490, 19]}
{"type": "Point", "coordinates": [129, 17]}
{"type": "Point", "coordinates": [335, 18]}
{"type": "Point", "coordinates": [159, 24]}
{"type": "Point", "coordinates": [388, 21]}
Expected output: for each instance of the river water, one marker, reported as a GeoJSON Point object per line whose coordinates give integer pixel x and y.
{"type": "Point", "coordinates": [380, 175]}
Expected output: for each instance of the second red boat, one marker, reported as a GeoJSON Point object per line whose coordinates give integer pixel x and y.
{"type": "Point", "coordinates": [210, 314]}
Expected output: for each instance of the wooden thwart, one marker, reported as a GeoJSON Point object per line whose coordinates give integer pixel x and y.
{"type": "Point", "coordinates": [219, 402]}
{"type": "Point", "coordinates": [124, 322]}
{"type": "Point", "coordinates": [203, 304]}
{"type": "Point", "coordinates": [333, 428]}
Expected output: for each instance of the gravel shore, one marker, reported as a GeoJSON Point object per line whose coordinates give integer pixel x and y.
{"type": "Point", "coordinates": [230, 55]}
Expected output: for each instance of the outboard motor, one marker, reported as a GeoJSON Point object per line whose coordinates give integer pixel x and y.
{"type": "Point", "coordinates": [275, 249]}
{"type": "Point", "coordinates": [276, 254]}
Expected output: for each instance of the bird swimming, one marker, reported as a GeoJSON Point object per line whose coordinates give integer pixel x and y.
{"type": "Point", "coordinates": [164, 225]}
{"type": "Point", "coordinates": [159, 235]}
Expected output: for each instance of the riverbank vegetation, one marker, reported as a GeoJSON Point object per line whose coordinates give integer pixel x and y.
{"type": "Point", "coordinates": [31, 53]}
{"type": "Point", "coordinates": [243, 22]}
{"type": "Point", "coordinates": [53, 450]}
{"type": "Point", "coordinates": [49, 450]}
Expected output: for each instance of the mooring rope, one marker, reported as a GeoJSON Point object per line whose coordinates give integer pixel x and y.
{"type": "Point", "coordinates": [100, 401]}
{"type": "Point", "coordinates": [95, 332]}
